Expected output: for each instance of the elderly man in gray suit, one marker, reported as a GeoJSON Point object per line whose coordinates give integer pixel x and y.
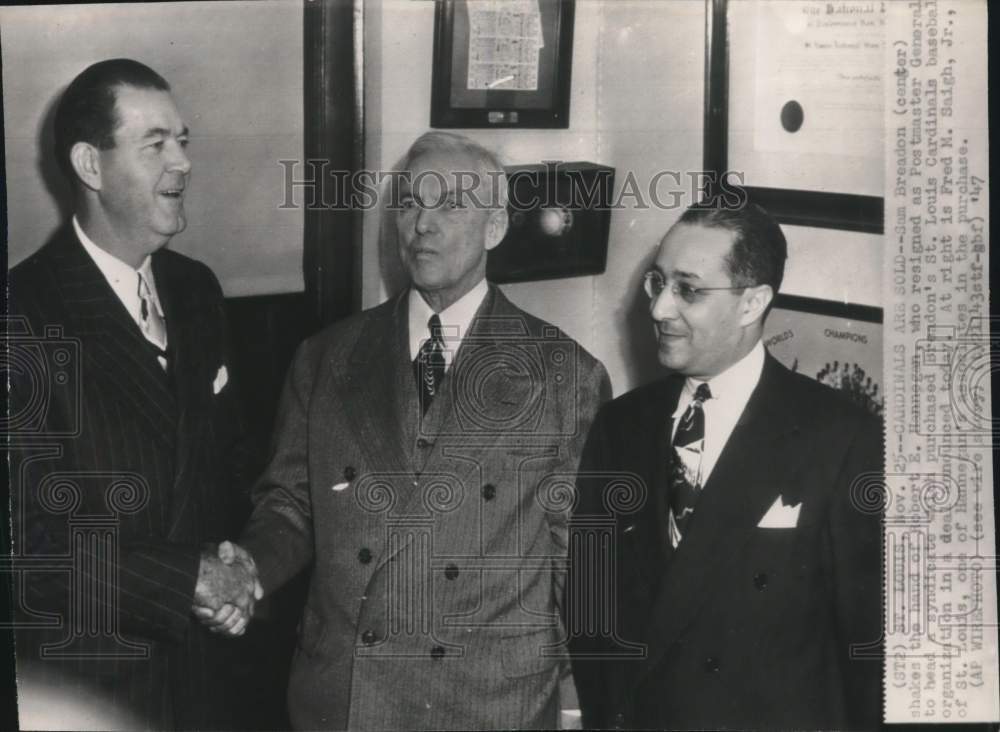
{"type": "Point", "coordinates": [421, 458]}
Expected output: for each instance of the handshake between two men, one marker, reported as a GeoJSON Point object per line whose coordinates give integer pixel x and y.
{"type": "Point", "coordinates": [227, 589]}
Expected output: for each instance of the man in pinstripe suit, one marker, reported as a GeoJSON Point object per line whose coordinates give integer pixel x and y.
{"type": "Point", "coordinates": [123, 472]}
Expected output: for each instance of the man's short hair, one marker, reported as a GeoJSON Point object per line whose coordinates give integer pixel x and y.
{"type": "Point", "coordinates": [86, 111]}
{"type": "Point", "coordinates": [759, 249]}
{"type": "Point", "coordinates": [488, 164]}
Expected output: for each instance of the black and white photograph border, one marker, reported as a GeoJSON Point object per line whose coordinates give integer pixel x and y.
{"type": "Point", "coordinates": [298, 113]}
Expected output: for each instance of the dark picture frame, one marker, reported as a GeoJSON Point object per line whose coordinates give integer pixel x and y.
{"type": "Point", "coordinates": [455, 104]}
{"type": "Point", "coordinates": [844, 211]}
{"type": "Point", "coordinates": [838, 344]}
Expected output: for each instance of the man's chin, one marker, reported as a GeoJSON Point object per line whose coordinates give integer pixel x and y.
{"type": "Point", "coordinates": [176, 226]}
{"type": "Point", "coordinates": [424, 279]}
{"type": "Point", "coordinates": [669, 358]}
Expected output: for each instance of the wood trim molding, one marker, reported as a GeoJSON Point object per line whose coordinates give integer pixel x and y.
{"type": "Point", "coordinates": [333, 100]}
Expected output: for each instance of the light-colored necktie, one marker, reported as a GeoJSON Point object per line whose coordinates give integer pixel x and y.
{"type": "Point", "coordinates": [154, 327]}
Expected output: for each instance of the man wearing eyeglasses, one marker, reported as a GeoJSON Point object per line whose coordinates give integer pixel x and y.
{"type": "Point", "coordinates": [741, 582]}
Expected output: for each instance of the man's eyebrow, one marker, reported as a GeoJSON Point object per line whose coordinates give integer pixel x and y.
{"type": "Point", "coordinates": [164, 132]}
{"type": "Point", "coordinates": [681, 274]}
{"type": "Point", "coordinates": [677, 273]}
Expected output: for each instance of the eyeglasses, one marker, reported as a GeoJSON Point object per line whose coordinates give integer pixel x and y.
{"type": "Point", "coordinates": [654, 283]}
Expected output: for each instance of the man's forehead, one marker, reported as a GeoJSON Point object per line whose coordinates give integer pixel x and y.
{"type": "Point", "coordinates": [140, 109]}
{"type": "Point", "coordinates": [444, 161]}
{"type": "Point", "coordinates": [445, 169]}
{"type": "Point", "coordinates": [694, 248]}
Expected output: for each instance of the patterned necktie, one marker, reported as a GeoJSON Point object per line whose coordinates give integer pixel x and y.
{"type": "Point", "coordinates": [685, 479]}
{"type": "Point", "coordinates": [154, 327]}
{"type": "Point", "coordinates": [429, 366]}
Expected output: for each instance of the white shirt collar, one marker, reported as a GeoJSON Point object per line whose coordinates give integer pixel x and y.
{"type": "Point", "coordinates": [734, 385]}
{"type": "Point", "coordinates": [122, 278]}
{"type": "Point", "coordinates": [455, 319]}
{"type": "Point", "coordinates": [731, 390]}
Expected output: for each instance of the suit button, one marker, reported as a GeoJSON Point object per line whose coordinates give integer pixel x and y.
{"type": "Point", "coordinates": [368, 637]}
{"type": "Point", "coordinates": [365, 555]}
{"type": "Point", "coordinates": [712, 665]}
{"type": "Point", "coordinates": [760, 581]}
{"type": "Point", "coordinates": [451, 571]}
{"type": "Point", "coordinates": [350, 473]}
{"type": "Point", "coordinates": [489, 491]}
{"type": "Point", "coordinates": [437, 653]}
{"type": "Point", "coordinates": [423, 444]}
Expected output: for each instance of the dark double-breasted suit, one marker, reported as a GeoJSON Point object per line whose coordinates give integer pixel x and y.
{"type": "Point", "coordinates": [436, 540]}
{"type": "Point", "coordinates": [119, 472]}
{"type": "Point", "coordinates": [742, 625]}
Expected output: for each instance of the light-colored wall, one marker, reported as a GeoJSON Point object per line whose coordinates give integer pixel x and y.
{"type": "Point", "coordinates": [236, 73]}
{"type": "Point", "coordinates": [637, 105]}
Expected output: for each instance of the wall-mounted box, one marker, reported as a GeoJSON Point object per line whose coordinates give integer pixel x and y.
{"type": "Point", "coordinates": [560, 214]}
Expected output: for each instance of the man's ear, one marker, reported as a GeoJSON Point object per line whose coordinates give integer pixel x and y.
{"type": "Point", "coordinates": [86, 163]}
{"type": "Point", "coordinates": [755, 302]}
{"type": "Point", "coordinates": [496, 228]}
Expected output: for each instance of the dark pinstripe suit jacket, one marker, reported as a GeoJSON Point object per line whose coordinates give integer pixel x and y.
{"type": "Point", "coordinates": [119, 473]}
{"type": "Point", "coordinates": [434, 539]}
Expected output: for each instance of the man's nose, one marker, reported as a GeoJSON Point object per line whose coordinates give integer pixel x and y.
{"type": "Point", "coordinates": [179, 162]}
{"type": "Point", "coordinates": [664, 305]}
{"type": "Point", "coordinates": [425, 219]}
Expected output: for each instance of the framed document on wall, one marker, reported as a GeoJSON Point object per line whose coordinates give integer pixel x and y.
{"type": "Point", "coordinates": [795, 107]}
{"type": "Point", "coordinates": [502, 63]}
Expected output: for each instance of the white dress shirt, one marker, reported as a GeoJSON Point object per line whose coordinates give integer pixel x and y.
{"type": "Point", "coordinates": [455, 320]}
{"type": "Point", "coordinates": [124, 280]}
{"type": "Point", "coordinates": [731, 391]}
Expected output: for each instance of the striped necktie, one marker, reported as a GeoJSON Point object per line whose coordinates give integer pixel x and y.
{"type": "Point", "coordinates": [429, 365]}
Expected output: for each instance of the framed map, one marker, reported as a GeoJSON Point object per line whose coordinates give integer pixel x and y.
{"type": "Point", "coordinates": [502, 63]}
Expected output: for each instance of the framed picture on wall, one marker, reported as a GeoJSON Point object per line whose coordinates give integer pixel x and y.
{"type": "Point", "coordinates": [795, 106]}
{"type": "Point", "coordinates": [502, 63]}
{"type": "Point", "coordinates": [837, 344]}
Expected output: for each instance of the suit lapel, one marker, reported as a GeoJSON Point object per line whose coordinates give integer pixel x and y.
{"type": "Point", "coordinates": [469, 389]}
{"type": "Point", "coordinates": [481, 386]}
{"type": "Point", "coordinates": [379, 392]}
{"type": "Point", "coordinates": [744, 482]}
{"type": "Point", "coordinates": [187, 348]}
{"type": "Point", "coordinates": [645, 536]}
{"type": "Point", "coordinates": [111, 341]}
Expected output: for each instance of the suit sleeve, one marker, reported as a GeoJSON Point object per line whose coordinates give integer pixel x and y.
{"type": "Point", "coordinates": [279, 534]}
{"type": "Point", "coordinates": [593, 391]}
{"type": "Point", "coordinates": [856, 538]}
{"type": "Point", "coordinates": [155, 579]}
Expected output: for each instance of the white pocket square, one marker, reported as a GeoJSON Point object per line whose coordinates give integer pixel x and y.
{"type": "Point", "coordinates": [221, 379]}
{"type": "Point", "coordinates": [780, 516]}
